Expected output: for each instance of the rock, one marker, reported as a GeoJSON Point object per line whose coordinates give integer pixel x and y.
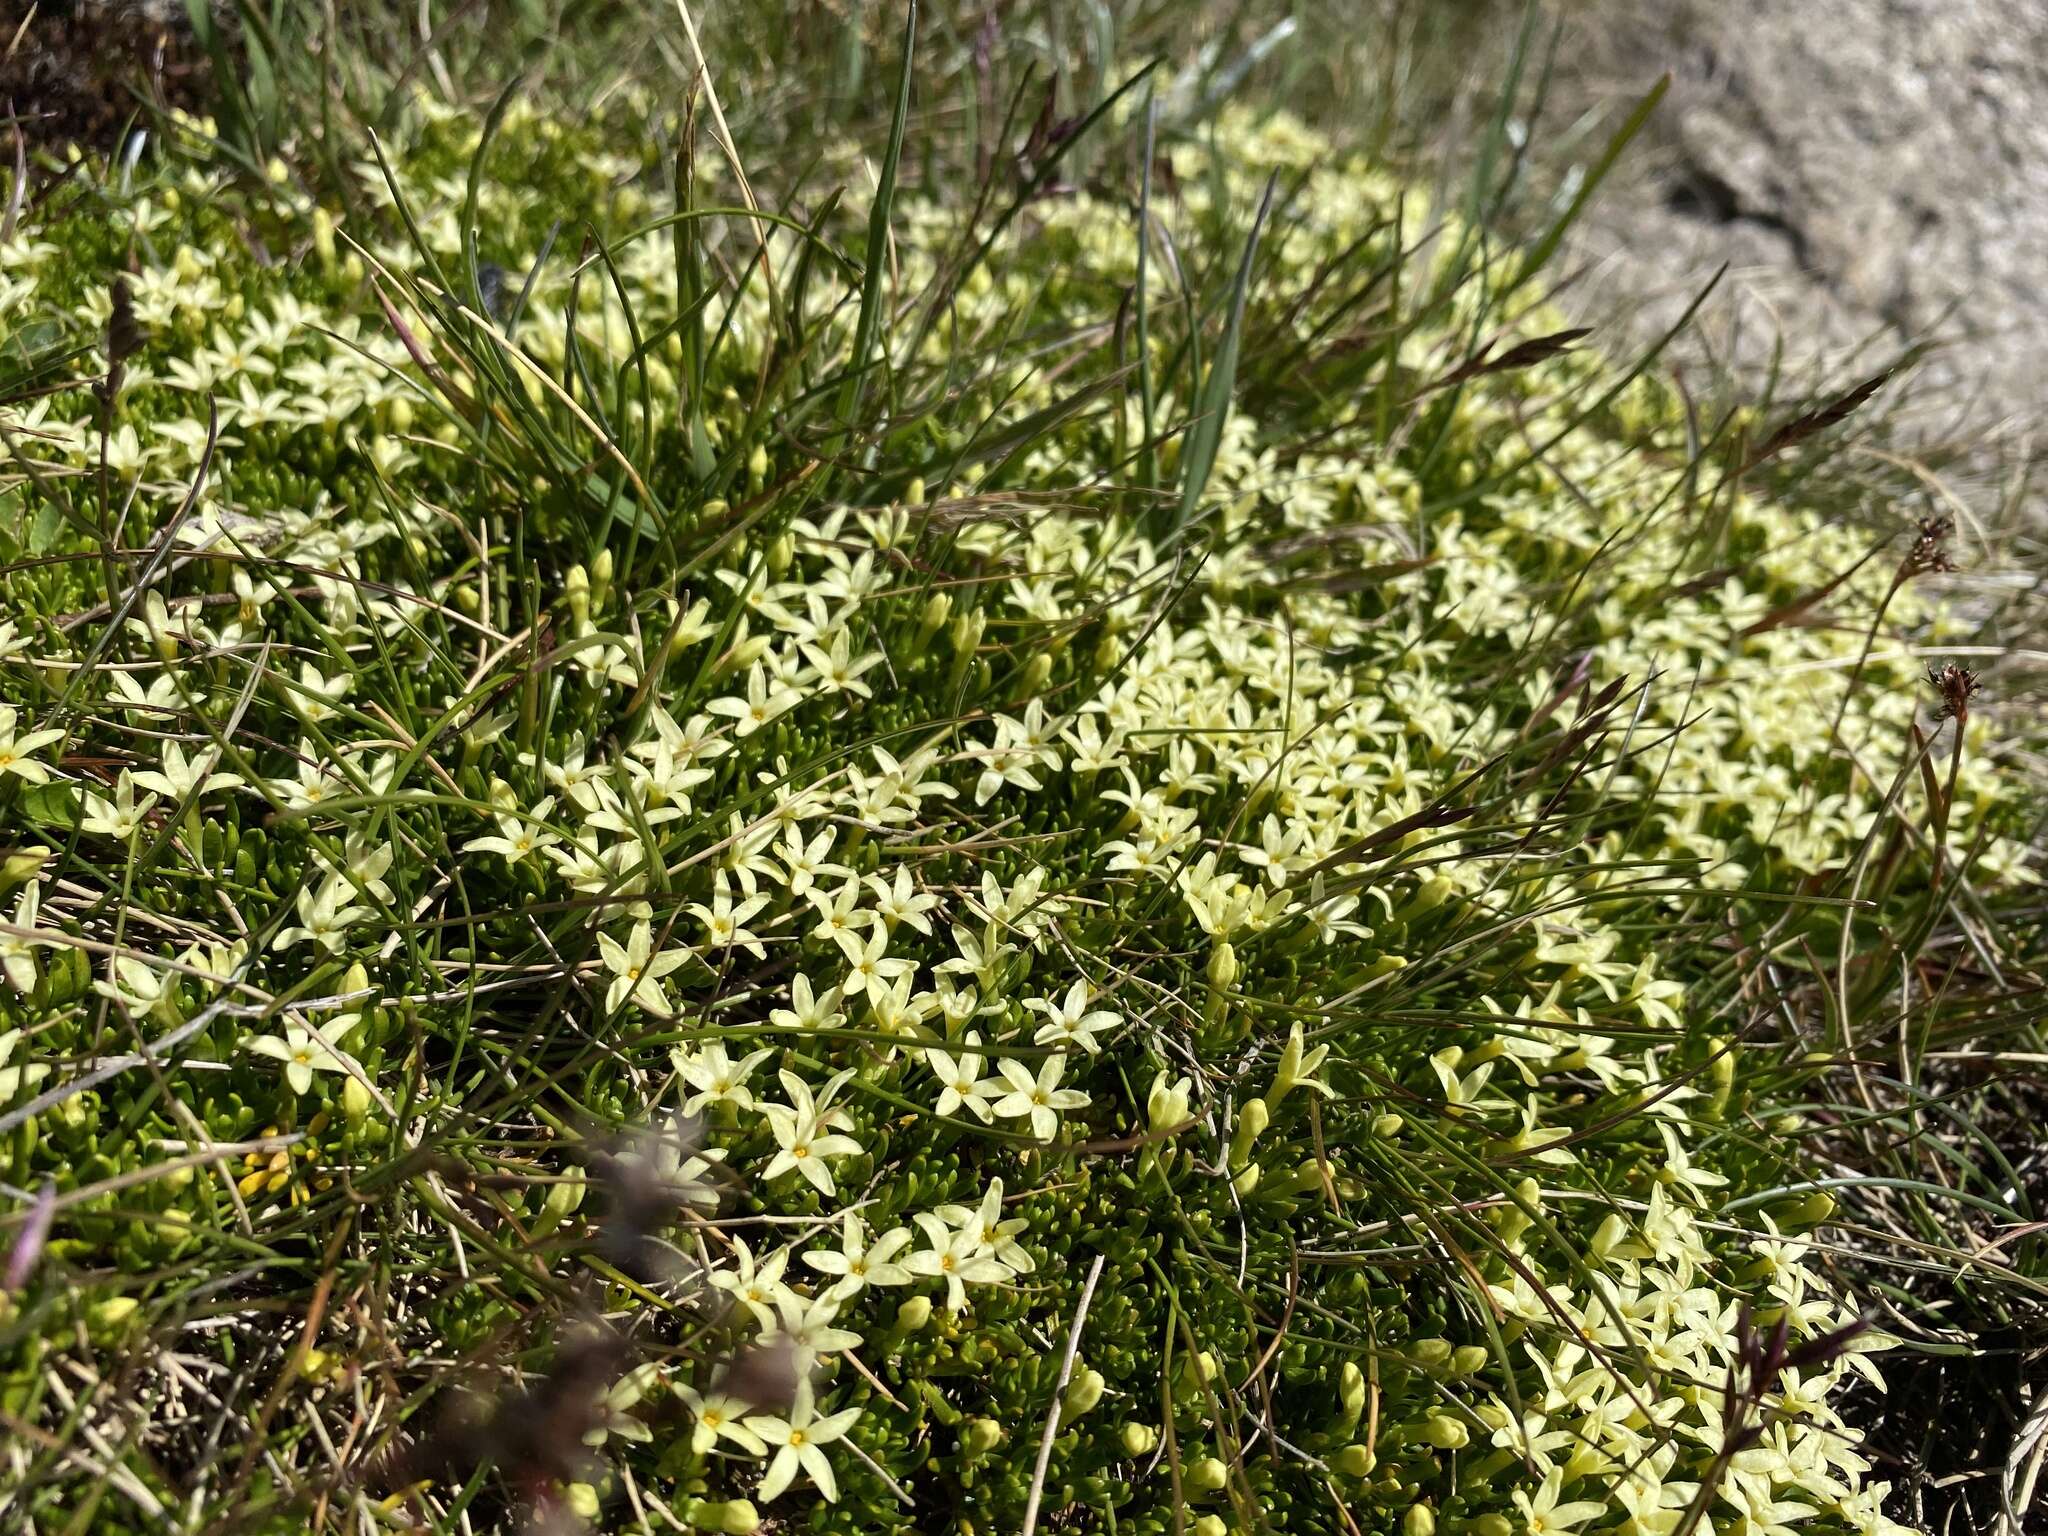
{"type": "Point", "coordinates": [1870, 168]}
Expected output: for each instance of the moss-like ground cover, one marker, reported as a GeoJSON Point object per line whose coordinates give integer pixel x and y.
{"type": "Point", "coordinates": [640, 832]}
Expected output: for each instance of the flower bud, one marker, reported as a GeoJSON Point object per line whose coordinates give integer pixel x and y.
{"type": "Point", "coordinates": [1608, 1235]}
{"type": "Point", "coordinates": [938, 608]}
{"type": "Point", "coordinates": [1083, 1393]}
{"type": "Point", "coordinates": [601, 578]}
{"type": "Point", "coordinates": [781, 554]}
{"type": "Point", "coordinates": [1138, 1439]}
{"type": "Point", "coordinates": [1445, 1432]}
{"type": "Point", "coordinates": [1430, 1354]}
{"type": "Point", "coordinates": [1467, 1358]}
{"type": "Point", "coordinates": [1351, 1393]}
{"type": "Point", "coordinates": [576, 589]}
{"type": "Point", "coordinates": [980, 1436]}
{"type": "Point", "coordinates": [323, 237]}
{"type": "Point", "coordinates": [562, 1198]}
{"type": "Point", "coordinates": [20, 866]}
{"type": "Point", "coordinates": [1492, 1525]}
{"type": "Point", "coordinates": [1210, 1525]}
{"type": "Point", "coordinates": [733, 1517]}
{"type": "Point", "coordinates": [967, 631]}
{"type": "Point", "coordinates": [355, 1103]}
{"type": "Point", "coordinates": [1166, 1106]}
{"type": "Point", "coordinates": [1387, 1126]}
{"type": "Point", "coordinates": [757, 467]}
{"type": "Point", "coordinates": [1419, 1521]}
{"type": "Point", "coordinates": [1251, 1120]}
{"type": "Point", "coordinates": [913, 1314]}
{"type": "Point", "coordinates": [913, 493]}
{"type": "Point", "coordinates": [1721, 1073]}
{"type": "Point", "coordinates": [1355, 1461]}
{"type": "Point", "coordinates": [1205, 1475]}
{"type": "Point", "coordinates": [1037, 673]}
{"type": "Point", "coordinates": [107, 1318]}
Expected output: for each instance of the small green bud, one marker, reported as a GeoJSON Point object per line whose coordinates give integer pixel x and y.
{"type": "Point", "coordinates": [1388, 1126]}
{"type": "Point", "coordinates": [1167, 1104]}
{"type": "Point", "coordinates": [1206, 1475]}
{"type": "Point", "coordinates": [1608, 1235]}
{"type": "Point", "coordinates": [733, 1517]}
{"type": "Point", "coordinates": [355, 1103]}
{"type": "Point", "coordinates": [1355, 1461]}
{"type": "Point", "coordinates": [21, 865]}
{"type": "Point", "coordinates": [1492, 1525]}
{"type": "Point", "coordinates": [561, 1199]}
{"type": "Point", "coordinates": [1251, 1121]}
{"type": "Point", "coordinates": [913, 1314]}
{"type": "Point", "coordinates": [1037, 673]}
{"type": "Point", "coordinates": [757, 467]}
{"type": "Point", "coordinates": [1419, 1521]}
{"type": "Point", "coordinates": [1210, 1525]}
{"type": "Point", "coordinates": [1721, 1073]}
{"type": "Point", "coordinates": [913, 493]}
{"type": "Point", "coordinates": [1445, 1432]}
{"type": "Point", "coordinates": [1223, 967]}
{"type": "Point", "coordinates": [781, 554]}
{"type": "Point", "coordinates": [1351, 1392]}
{"type": "Point", "coordinates": [1430, 1354]}
{"type": "Point", "coordinates": [1809, 1210]}
{"type": "Point", "coordinates": [980, 1436]}
{"type": "Point", "coordinates": [1138, 1439]}
{"type": "Point", "coordinates": [600, 578]}
{"type": "Point", "coordinates": [1467, 1358]}
{"type": "Point", "coordinates": [1083, 1393]}
{"type": "Point", "coordinates": [967, 631]}
{"type": "Point", "coordinates": [106, 1318]}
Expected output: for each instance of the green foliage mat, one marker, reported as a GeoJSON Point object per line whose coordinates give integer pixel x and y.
{"type": "Point", "coordinates": [677, 866]}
